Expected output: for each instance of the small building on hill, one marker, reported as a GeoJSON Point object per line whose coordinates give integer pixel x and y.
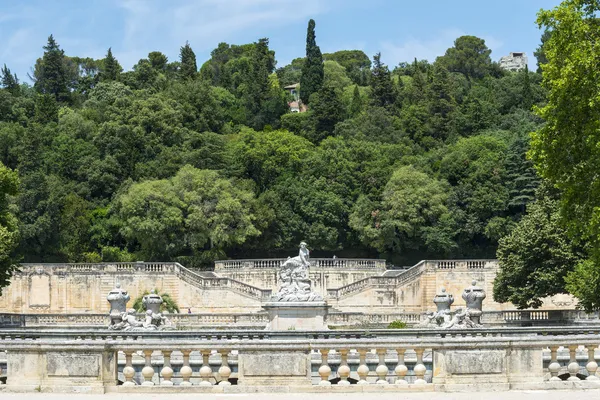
{"type": "Point", "coordinates": [513, 62]}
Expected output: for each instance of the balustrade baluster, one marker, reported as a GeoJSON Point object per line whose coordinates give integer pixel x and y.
{"type": "Point", "coordinates": [186, 370]}
{"type": "Point", "coordinates": [554, 366]}
{"type": "Point", "coordinates": [401, 369]}
{"type": "Point", "coordinates": [592, 365]}
{"type": "Point", "coordinates": [128, 371]}
{"type": "Point", "coordinates": [224, 371]}
{"type": "Point", "coordinates": [148, 371]}
{"type": "Point", "coordinates": [573, 366]}
{"type": "Point", "coordinates": [420, 368]}
{"type": "Point", "coordinates": [167, 371]}
{"type": "Point", "coordinates": [344, 370]}
{"type": "Point", "coordinates": [324, 369]}
{"type": "Point", "coordinates": [382, 369]}
{"type": "Point", "coordinates": [363, 368]}
{"type": "Point", "coordinates": [206, 370]}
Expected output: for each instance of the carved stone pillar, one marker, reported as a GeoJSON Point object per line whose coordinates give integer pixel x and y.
{"type": "Point", "coordinates": [401, 368]}
{"type": "Point", "coordinates": [344, 369]}
{"type": "Point", "coordinates": [224, 371]}
{"type": "Point", "coordinates": [382, 369]}
{"type": "Point", "coordinates": [148, 371]}
{"type": "Point", "coordinates": [363, 368]}
{"type": "Point", "coordinates": [324, 369]}
{"type": "Point", "coordinates": [186, 370]}
{"type": "Point", "coordinates": [167, 371]}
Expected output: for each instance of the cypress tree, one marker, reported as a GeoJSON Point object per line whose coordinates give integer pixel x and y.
{"type": "Point", "coordinates": [441, 102]}
{"type": "Point", "coordinates": [521, 175]}
{"type": "Point", "coordinates": [112, 68]}
{"type": "Point", "coordinates": [356, 105]}
{"type": "Point", "coordinates": [9, 81]}
{"type": "Point", "coordinates": [312, 70]}
{"type": "Point", "coordinates": [527, 92]}
{"type": "Point", "coordinates": [188, 62]}
{"type": "Point", "coordinates": [382, 93]}
{"type": "Point", "coordinates": [51, 77]}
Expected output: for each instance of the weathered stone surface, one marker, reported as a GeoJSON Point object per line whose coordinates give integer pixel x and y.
{"type": "Point", "coordinates": [73, 364]}
{"type": "Point", "coordinates": [278, 364]}
{"type": "Point", "coordinates": [475, 362]}
{"type": "Point", "coordinates": [302, 316]}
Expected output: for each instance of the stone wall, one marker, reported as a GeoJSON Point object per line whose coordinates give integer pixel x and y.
{"type": "Point", "coordinates": [242, 286]}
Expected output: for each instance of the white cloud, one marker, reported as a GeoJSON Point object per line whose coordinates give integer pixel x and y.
{"type": "Point", "coordinates": [393, 53]}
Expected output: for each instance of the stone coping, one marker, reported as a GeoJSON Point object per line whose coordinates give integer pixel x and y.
{"type": "Point", "coordinates": [296, 304]}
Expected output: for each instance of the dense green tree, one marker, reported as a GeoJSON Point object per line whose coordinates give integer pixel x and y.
{"type": "Point", "coordinates": [382, 88]}
{"type": "Point", "coordinates": [9, 81]}
{"type": "Point", "coordinates": [357, 104]}
{"type": "Point", "coordinates": [312, 69]}
{"type": "Point", "coordinates": [540, 52]}
{"type": "Point", "coordinates": [50, 73]}
{"type": "Point", "coordinates": [535, 257]}
{"type": "Point", "coordinates": [9, 230]}
{"type": "Point", "coordinates": [327, 110]}
{"type": "Point", "coordinates": [571, 128]}
{"type": "Point", "coordinates": [187, 57]}
{"type": "Point", "coordinates": [111, 69]}
{"type": "Point", "coordinates": [469, 56]}
{"type": "Point", "coordinates": [356, 63]}
{"type": "Point", "coordinates": [411, 204]}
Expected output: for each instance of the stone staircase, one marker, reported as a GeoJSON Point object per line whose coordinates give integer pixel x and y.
{"type": "Point", "coordinates": [390, 278]}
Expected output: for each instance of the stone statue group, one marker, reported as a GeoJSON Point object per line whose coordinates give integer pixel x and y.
{"type": "Point", "coordinates": [294, 281]}
{"type": "Point", "coordinates": [126, 320]}
{"type": "Point", "coordinates": [469, 317]}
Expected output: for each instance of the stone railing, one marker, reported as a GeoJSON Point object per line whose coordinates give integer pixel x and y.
{"type": "Point", "coordinates": [255, 361]}
{"type": "Point", "coordinates": [463, 264]}
{"type": "Point", "coordinates": [379, 281]}
{"type": "Point", "coordinates": [334, 320]}
{"type": "Point", "coordinates": [151, 268]}
{"type": "Point", "coordinates": [316, 263]}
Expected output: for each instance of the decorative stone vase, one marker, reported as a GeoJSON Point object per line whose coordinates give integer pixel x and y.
{"type": "Point", "coordinates": [118, 299]}
{"type": "Point", "coordinates": [473, 297]}
{"type": "Point", "coordinates": [443, 301]}
{"type": "Point", "coordinates": [152, 302]}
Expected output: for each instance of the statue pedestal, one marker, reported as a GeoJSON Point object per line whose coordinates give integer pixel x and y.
{"type": "Point", "coordinates": [299, 316]}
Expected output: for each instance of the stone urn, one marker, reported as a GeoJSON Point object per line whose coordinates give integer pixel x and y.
{"type": "Point", "coordinates": [152, 302]}
{"type": "Point", "coordinates": [443, 301]}
{"type": "Point", "coordinates": [118, 299]}
{"type": "Point", "coordinates": [473, 297]}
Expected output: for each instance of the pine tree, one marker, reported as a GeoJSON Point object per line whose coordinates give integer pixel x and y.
{"type": "Point", "coordinates": [112, 68]}
{"type": "Point", "coordinates": [312, 70]}
{"type": "Point", "coordinates": [51, 75]}
{"type": "Point", "coordinates": [521, 175]}
{"type": "Point", "coordinates": [527, 95]}
{"type": "Point", "coordinates": [383, 93]}
{"type": "Point", "coordinates": [188, 62]}
{"type": "Point", "coordinates": [327, 111]}
{"type": "Point", "coordinates": [356, 105]}
{"type": "Point", "coordinates": [441, 102]}
{"type": "Point", "coordinates": [9, 81]}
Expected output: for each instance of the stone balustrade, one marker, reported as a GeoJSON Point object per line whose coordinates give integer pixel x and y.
{"type": "Point", "coordinates": [251, 361]}
{"type": "Point", "coordinates": [316, 263]}
{"type": "Point", "coordinates": [334, 319]}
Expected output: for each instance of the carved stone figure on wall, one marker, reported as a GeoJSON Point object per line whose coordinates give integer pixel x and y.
{"type": "Point", "coordinates": [294, 281]}
{"type": "Point", "coordinates": [118, 299]}
{"type": "Point", "coordinates": [473, 296]}
{"type": "Point", "coordinates": [127, 321]}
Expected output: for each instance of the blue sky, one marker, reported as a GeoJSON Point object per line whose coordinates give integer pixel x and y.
{"type": "Point", "coordinates": [400, 29]}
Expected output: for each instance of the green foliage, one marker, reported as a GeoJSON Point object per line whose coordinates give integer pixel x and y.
{"type": "Point", "coordinates": [535, 257]}
{"type": "Point", "coordinates": [382, 89]}
{"type": "Point", "coordinates": [50, 72]}
{"type": "Point", "coordinates": [165, 162]}
{"type": "Point", "coordinates": [469, 56]}
{"type": "Point", "coordinates": [168, 304]}
{"type": "Point", "coordinates": [312, 69]}
{"type": "Point", "coordinates": [571, 128]}
{"type": "Point", "coordinates": [9, 231]}
{"type": "Point", "coordinates": [397, 325]}
{"type": "Point", "coordinates": [188, 68]}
